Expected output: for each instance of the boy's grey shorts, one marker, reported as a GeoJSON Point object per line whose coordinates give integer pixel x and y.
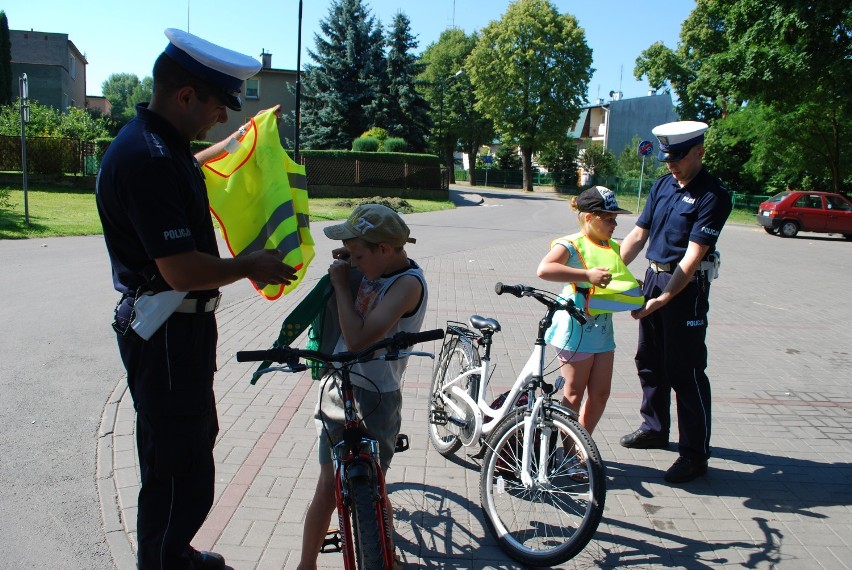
{"type": "Point", "coordinates": [381, 414]}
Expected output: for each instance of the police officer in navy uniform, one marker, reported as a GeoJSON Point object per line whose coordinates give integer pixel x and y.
{"type": "Point", "coordinates": [153, 206]}
{"type": "Point", "coordinates": [681, 222]}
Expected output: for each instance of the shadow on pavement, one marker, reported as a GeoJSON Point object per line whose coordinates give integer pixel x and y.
{"type": "Point", "coordinates": [779, 484]}
{"type": "Point", "coordinates": [446, 529]}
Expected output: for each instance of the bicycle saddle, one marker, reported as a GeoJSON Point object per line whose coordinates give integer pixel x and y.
{"type": "Point", "coordinates": [484, 323]}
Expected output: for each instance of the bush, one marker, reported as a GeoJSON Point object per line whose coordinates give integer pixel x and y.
{"type": "Point", "coordinates": [101, 146]}
{"type": "Point", "coordinates": [395, 144]}
{"type": "Point", "coordinates": [377, 133]}
{"type": "Point", "coordinates": [4, 198]}
{"type": "Point", "coordinates": [365, 144]}
{"type": "Point", "coordinates": [396, 204]}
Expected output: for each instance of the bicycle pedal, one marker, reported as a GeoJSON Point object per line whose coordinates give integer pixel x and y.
{"type": "Point", "coordinates": [439, 418]}
{"type": "Point", "coordinates": [332, 542]}
{"type": "Point", "coordinates": [401, 443]}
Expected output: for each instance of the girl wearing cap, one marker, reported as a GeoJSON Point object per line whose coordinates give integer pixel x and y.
{"type": "Point", "coordinates": [596, 278]}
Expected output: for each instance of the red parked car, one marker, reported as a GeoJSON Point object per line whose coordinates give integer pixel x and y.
{"type": "Point", "coordinates": [792, 211]}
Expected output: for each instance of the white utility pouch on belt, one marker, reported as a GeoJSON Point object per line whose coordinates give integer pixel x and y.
{"type": "Point", "coordinates": [151, 311]}
{"type": "Point", "coordinates": [710, 267]}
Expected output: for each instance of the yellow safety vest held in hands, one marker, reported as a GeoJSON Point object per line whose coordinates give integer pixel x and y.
{"type": "Point", "coordinates": [623, 293]}
{"type": "Point", "coordinates": [260, 198]}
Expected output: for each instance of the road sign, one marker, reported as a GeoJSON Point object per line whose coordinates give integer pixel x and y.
{"type": "Point", "coordinates": [487, 158]}
{"type": "Point", "coordinates": [645, 148]}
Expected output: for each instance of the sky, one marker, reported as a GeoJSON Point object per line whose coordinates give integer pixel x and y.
{"type": "Point", "coordinates": [119, 36]}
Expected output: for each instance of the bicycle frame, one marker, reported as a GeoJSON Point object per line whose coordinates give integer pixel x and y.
{"type": "Point", "coordinates": [532, 370]}
{"type": "Point", "coordinates": [531, 378]}
{"type": "Point", "coordinates": [358, 460]}
{"type": "Point", "coordinates": [356, 455]}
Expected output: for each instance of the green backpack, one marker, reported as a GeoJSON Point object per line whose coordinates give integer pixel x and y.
{"type": "Point", "coordinates": [317, 313]}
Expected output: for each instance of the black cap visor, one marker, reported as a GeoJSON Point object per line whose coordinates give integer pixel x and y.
{"type": "Point", "coordinates": [672, 155]}
{"type": "Point", "coordinates": [231, 101]}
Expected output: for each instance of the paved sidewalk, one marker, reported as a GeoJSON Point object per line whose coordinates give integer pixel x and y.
{"type": "Point", "coordinates": [779, 491]}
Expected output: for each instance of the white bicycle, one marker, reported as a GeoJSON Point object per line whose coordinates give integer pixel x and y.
{"type": "Point", "coordinates": [543, 484]}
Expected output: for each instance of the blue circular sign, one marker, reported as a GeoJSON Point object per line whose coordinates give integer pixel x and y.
{"type": "Point", "coordinates": [645, 148]}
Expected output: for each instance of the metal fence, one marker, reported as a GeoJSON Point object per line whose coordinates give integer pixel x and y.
{"type": "Point", "coordinates": [49, 155]}
{"type": "Point", "coordinates": [508, 178]}
{"type": "Point", "coordinates": [358, 173]}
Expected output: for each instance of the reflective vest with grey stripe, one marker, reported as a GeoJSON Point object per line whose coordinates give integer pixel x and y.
{"type": "Point", "coordinates": [260, 198]}
{"type": "Point", "coordinates": [623, 293]}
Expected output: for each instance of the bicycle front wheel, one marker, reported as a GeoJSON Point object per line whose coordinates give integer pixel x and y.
{"type": "Point", "coordinates": [550, 518]}
{"type": "Point", "coordinates": [366, 531]}
{"type": "Point", "coordinates": [460, 355]}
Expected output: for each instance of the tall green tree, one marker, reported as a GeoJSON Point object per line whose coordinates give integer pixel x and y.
{"type": "Point", "coordinates": [796, 57]}
{"type": "Point", "coordinates": [407, 112]}
{"type": "Point", "coordinates": [530, 71]}
{"type": "Point", "coordinates": [598, 161]}
{"type": "Point", "coordinates": [560, 159]}
{"type": "Point", "coordinates": [339, 87]}
{"type": "Point", "coordinates": [124, 91]}
{"type": "Point", "coordinates": [456, 123]}
{"type": "Point", "coordinates": [506, 155]}
{"type": "Point", "coordinates": [5, 61]}
{"type": "Point", "coordinates": [788, 62]}
{"type": "Point", "coordinates": [700, 68]}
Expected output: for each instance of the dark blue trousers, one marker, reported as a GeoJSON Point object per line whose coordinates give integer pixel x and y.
{"type": "Point", "coordinates": [171, 380]}
{"type": "Point", "coordinates": [672, 355]}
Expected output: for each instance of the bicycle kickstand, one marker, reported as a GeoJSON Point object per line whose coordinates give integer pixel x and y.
{"type": "Point", "coordinates": [332, 542]}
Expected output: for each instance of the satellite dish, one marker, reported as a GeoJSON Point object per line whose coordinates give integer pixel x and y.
{"type": "Point", "coordinates": [611, 93]}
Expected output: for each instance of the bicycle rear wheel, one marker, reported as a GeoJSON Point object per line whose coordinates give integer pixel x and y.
{"type": "Point", "coordinates": [551, 520]}
{"type": "Point", "coordinates": [366, 531]}
{"type": "Point", "coordinates": [460, 355]}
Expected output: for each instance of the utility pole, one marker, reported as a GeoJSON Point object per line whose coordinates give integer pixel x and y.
{"type": "Point", "coordinates": [25, 118]}
{"type": "Point", "coordinates": [298, 87]}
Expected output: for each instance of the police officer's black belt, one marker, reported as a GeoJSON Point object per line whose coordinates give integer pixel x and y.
{"type": "Point", "coordinates": [198, 305]}
{"type": "Point", "coordinates": [663, 267]}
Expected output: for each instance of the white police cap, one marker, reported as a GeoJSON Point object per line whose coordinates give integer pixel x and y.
{"type": "Point", "coordinates": [220, 67]}
{"type": "Point", "coordinates": [677, 138]}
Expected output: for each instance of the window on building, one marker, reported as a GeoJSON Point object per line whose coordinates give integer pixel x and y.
{"type": "Point", "coordinates": [253, 88]}
{"type": "Point", "coordinates": [72, 66]}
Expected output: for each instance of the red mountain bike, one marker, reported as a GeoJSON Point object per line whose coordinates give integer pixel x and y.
{"type": "Point", "coordinates": [362, 502]}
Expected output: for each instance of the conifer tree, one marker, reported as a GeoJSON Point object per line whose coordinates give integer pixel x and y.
{"type": "Point", "coordinates": [406, 111]}
{"type": "Point", "coordinates": [339, 88]}
{"type": "Point", "coordinates": [5, 61]}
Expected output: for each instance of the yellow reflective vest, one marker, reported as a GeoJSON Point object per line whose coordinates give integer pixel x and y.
{"type": "Point", "coordinates": [260, 198]}
{"type": "Point", "coordinates": [623, 293]}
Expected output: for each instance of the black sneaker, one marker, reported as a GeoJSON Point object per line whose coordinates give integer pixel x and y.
{"type": "Point", "coordinates": [685, 470]}
{"type": "Point", "coordinates": [206, 560]}
{"type": "Point", "coordinates": [640, 439]}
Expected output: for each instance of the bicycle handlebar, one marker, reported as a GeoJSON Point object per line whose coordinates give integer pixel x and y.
{"type": "Point", "coordinates": [544, 297]}
{"type": "Point", "coordinates": [285, 354]}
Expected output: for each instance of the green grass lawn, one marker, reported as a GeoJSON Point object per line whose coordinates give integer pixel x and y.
{"type": "Point", "coordinates": [60, 211]}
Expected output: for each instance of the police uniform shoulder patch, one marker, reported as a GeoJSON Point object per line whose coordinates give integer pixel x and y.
{"type": "Point", "coordinates": [156, 146]}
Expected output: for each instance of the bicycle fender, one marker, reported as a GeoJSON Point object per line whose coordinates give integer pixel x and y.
{"type": "Point", "coordinates": [529, 423]}
{"type": "Point", "coordinates": [358, 469]}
